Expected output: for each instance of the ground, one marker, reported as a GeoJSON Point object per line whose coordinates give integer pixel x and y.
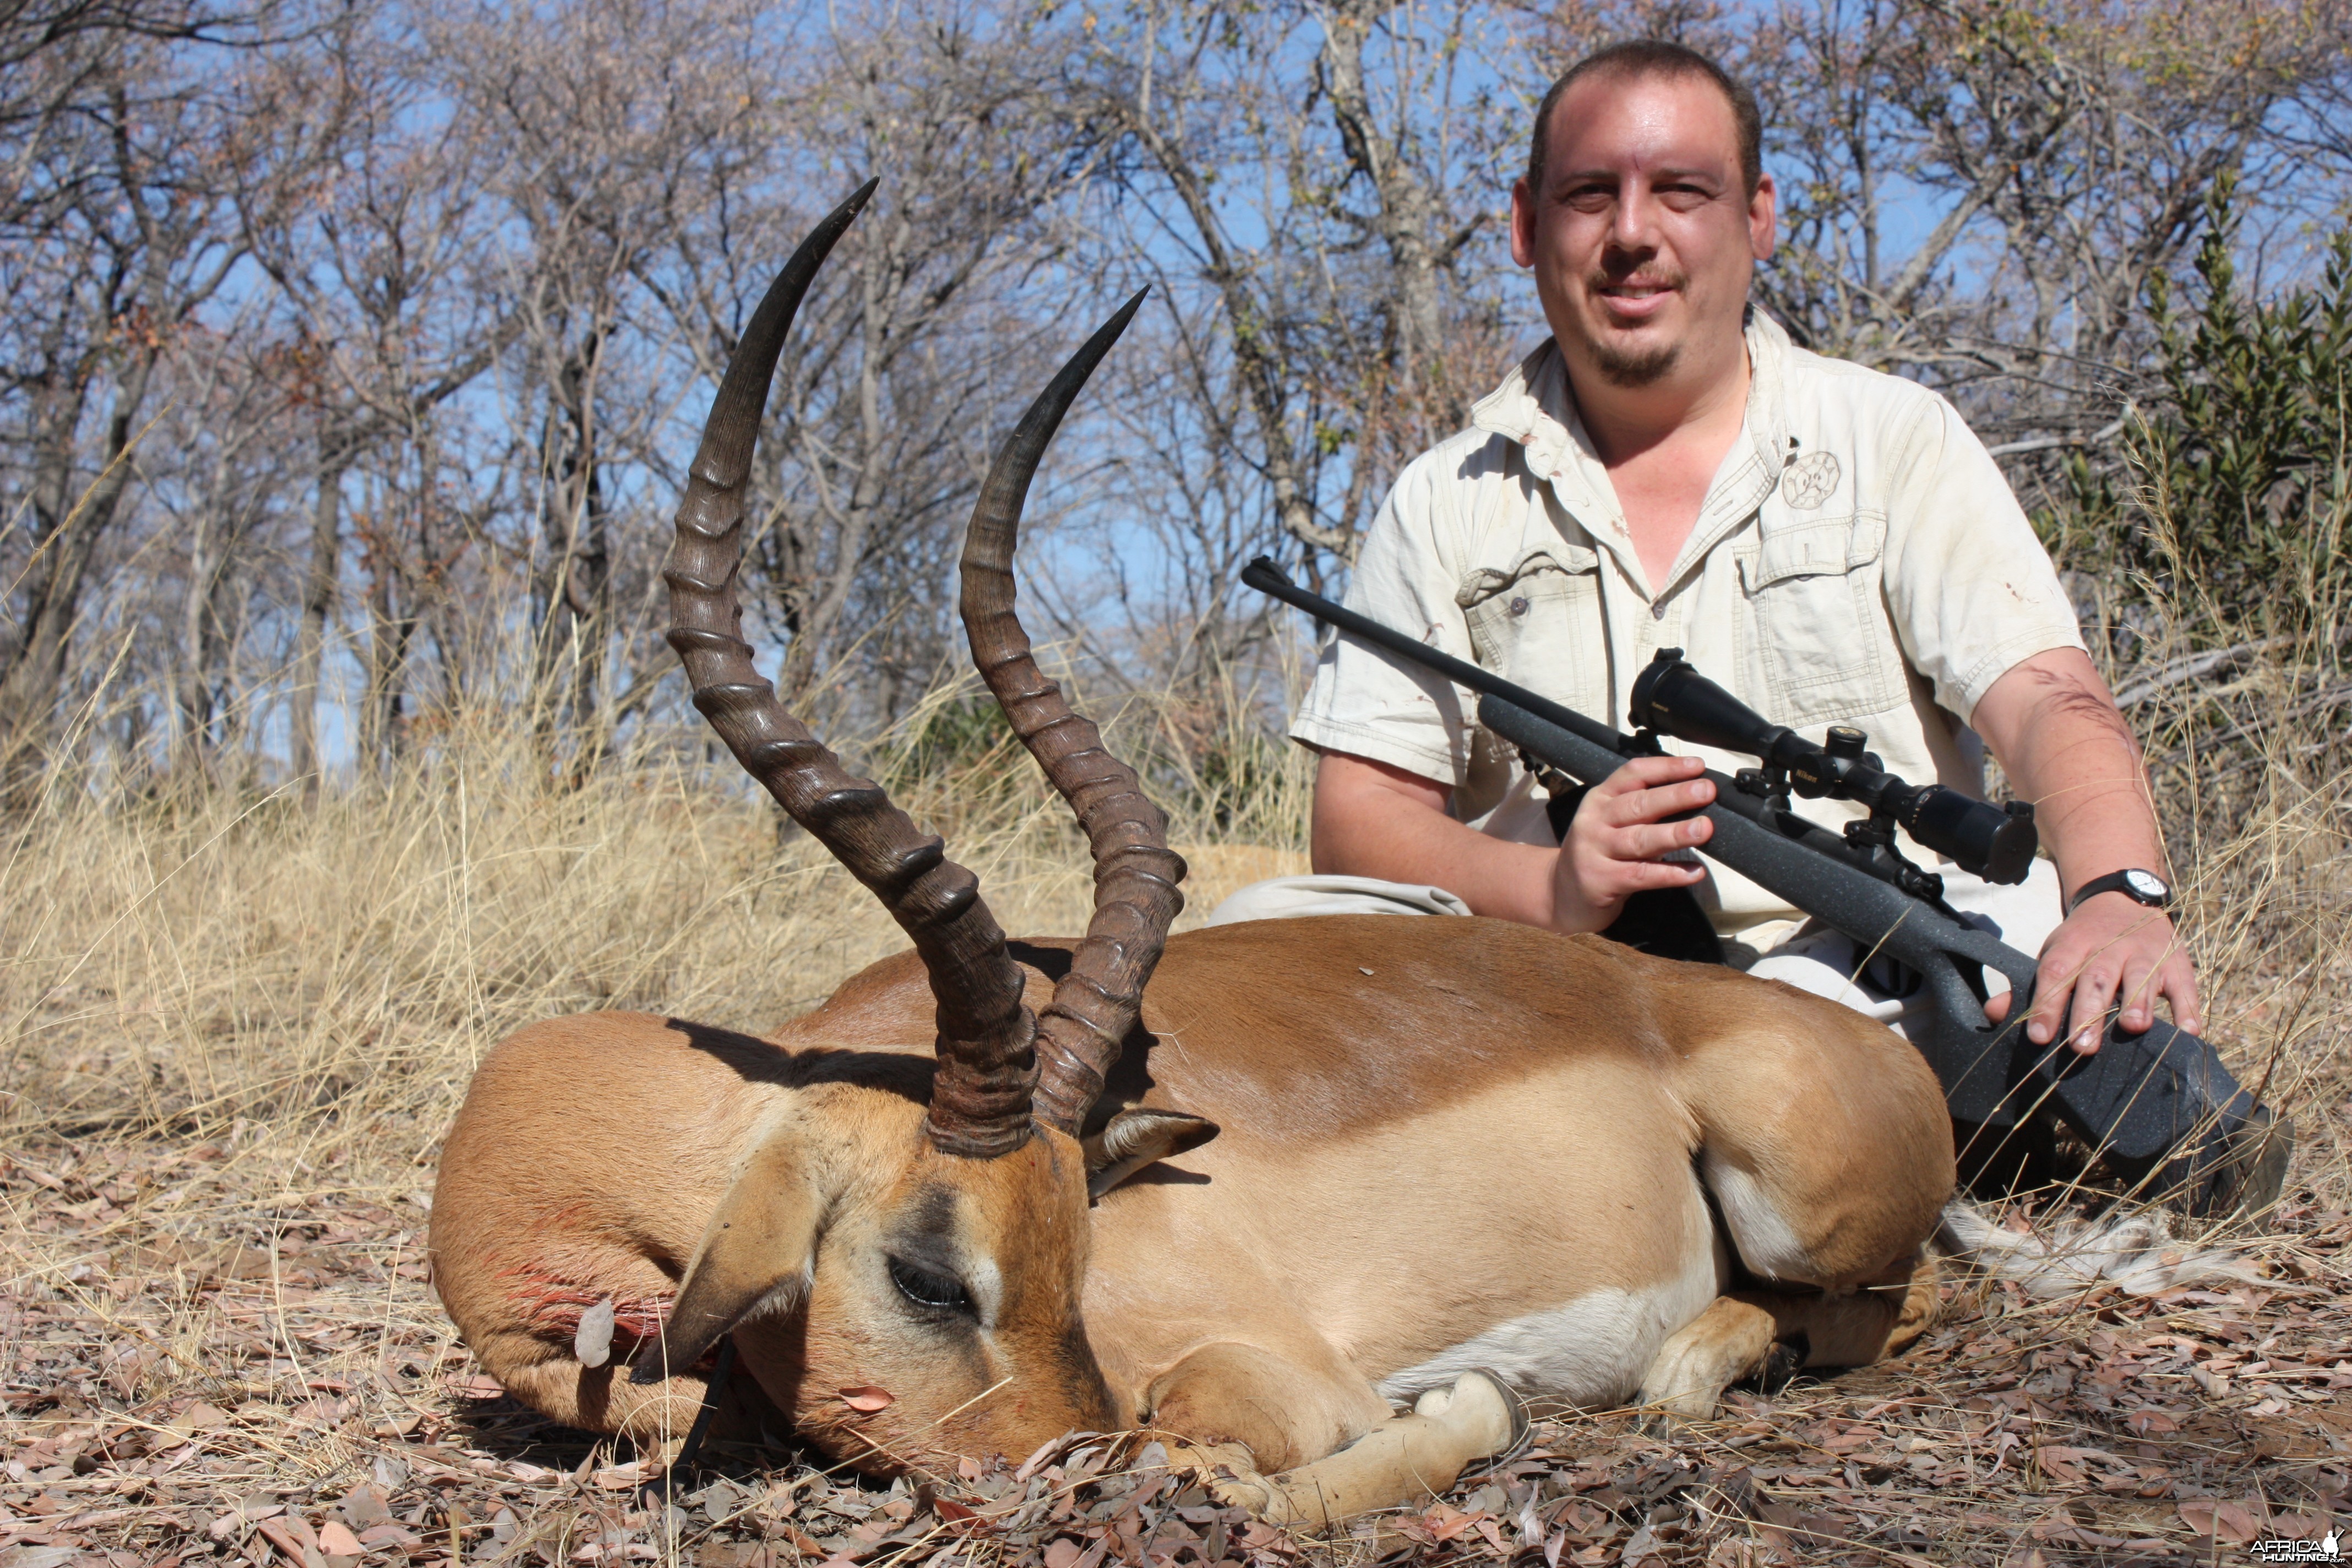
{"type": "Point", "coordinates": [221, 1351]}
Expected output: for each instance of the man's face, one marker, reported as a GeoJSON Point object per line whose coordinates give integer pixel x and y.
{"type": "Point", "coordinates": [1644, 236]}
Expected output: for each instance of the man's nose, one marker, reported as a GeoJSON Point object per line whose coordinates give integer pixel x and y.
{"type": "Point", "coordinates": [1634, 224]}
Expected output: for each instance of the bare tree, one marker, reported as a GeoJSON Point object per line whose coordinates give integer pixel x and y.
{"type": "Point", "coordinates": [224, 432]}
{"type": "Point", "coordinates": [602, 114]}
{"type": "Point", "coordinates": [379, 272]}
{"type": "Point", "coordinates": [916, 343]}
{"type": "Point", "coordinates": [106, 287]}
{"type": "Point", "coordinates": [1312, 190]}
{"type": "Point", "coordinates": [422, 296]}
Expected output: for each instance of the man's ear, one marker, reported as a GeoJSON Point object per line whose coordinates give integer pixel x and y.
{"type": "Point", "coordinates": [758, 1256]}
{"type": "Point", "coordinates": [1763, 218]}
{"type": "Point", "coordinates": [1524, 211]}
{"type": "Point", "coordinates": [1134, 1139]}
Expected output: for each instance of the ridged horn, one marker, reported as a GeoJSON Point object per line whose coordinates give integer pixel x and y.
{"type": "Point", "coordinates": [1135, 874]}
{"type": "Point", "coordinates": [987, 1065]}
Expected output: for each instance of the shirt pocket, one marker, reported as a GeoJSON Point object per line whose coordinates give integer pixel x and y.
{"type": "Point", "coordinates": [1820, 637]}
{"type": "Point", "coordinates": [1538, 624]}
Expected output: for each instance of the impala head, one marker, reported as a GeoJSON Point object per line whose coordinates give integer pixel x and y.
{"type": "Point", "coordinates": [902, 1262]}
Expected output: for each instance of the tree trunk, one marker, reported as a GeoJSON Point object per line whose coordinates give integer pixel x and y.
{"type": "Point", "coordinates": [69, 530]}
{"type": "Point", "coordinates": [576, 579]}
{"type": "Point", "coordinates": [337, 448]}
{"type": "Point", "coordinates": [1409, 215]}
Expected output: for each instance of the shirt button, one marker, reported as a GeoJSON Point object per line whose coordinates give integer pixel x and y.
{"type": "Point", "coordinates": [1658, 611]}
{"type": "Point", "coordinates": [1518, 606]}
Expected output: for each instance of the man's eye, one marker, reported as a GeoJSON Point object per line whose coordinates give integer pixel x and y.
{"type": "Point", "coordinates": [926, 1289]}
{"type": "Point", "coordinates": [1590, 198]}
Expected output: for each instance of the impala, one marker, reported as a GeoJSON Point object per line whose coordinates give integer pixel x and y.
{"type": "Point", "coordinates": [1325, 1202]}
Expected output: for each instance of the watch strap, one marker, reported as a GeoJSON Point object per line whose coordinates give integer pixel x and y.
{"type": "Point", "coordinates": [2140, 887]}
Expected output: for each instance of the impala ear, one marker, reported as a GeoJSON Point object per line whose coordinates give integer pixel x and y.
{"type": "Point", "coordinates": [1134, 1139]}
{"type": "Point", "coordinates": [757, 1257]}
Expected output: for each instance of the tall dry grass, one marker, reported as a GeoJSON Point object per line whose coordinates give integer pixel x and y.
{"type": "Point", "coordinates": [194, 959]}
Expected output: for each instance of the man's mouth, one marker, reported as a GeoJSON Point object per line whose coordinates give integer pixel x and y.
{"type": "Point", "coordinates": [1635, 298]}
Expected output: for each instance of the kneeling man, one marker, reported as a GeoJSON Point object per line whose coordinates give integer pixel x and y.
{"type": "Point", "coordinates": [1831, 543]}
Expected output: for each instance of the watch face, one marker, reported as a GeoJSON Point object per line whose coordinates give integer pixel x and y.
{"type": "Point", "coordinates": [2147, 884]}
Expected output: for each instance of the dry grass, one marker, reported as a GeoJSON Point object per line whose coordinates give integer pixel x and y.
{"type": "Point", "coordinates": [191, 961]}
{"type": "Point", "coordinates": [232, 1031]}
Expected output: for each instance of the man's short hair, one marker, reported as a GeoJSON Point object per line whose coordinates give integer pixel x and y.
{"type": "Point", "coordinates": [1636, 57]}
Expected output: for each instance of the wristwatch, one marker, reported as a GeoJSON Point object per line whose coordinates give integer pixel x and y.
{"type": "Point", "coordinates": [2139, 887]}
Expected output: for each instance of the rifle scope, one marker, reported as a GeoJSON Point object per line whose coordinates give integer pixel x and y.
{"type": "Point", "coordinates": [1996, 843]}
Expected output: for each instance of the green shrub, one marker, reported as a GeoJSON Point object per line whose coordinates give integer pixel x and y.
{"type": "Point", "coordinates": [2232, 511]}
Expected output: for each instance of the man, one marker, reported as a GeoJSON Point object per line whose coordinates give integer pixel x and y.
{"type": "Point", "coordinates": [1831, 543]}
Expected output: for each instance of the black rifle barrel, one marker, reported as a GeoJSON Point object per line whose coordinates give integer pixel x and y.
{"type": "Point", "coordinates": [1266, 577]}
{"type": "Point", "coordinates": [2159, 1106]}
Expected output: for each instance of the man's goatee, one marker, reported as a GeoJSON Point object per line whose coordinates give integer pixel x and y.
{"type": "Point", "coordinates": [1637, 367]}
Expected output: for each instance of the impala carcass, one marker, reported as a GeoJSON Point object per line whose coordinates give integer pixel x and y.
{"type": "Point", "coordinates": [1326, 1202]}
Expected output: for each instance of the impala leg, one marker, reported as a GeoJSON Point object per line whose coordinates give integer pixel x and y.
{"type": "Point", "coordinates": [1403, 1459]}
{"type": "Point", "coordinates": [604, 1400]}
{"type": "Point", "coordinates": [1744, 1333]}
{"type": "Point", "coordinates": [1731, 1339]}
{"type": "Point", "coordinates": [654, 1417]}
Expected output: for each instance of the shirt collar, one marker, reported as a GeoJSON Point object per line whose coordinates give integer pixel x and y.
{"type": "Point", "coordinates": [1536, 408]}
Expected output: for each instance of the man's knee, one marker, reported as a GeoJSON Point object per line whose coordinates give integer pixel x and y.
{"type": "Point", "coordinates": [1288, 898]}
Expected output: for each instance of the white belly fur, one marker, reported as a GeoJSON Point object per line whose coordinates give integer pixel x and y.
{"type": "Point", "coordinates": [1592, 1350]}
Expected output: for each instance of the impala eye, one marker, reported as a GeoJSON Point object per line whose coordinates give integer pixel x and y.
{"type": "Point", "coordinates": [925, 1288]}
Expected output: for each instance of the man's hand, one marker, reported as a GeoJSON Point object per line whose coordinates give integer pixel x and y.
{"type": "Point", "coordinates": [1619, 834]}
{"type": "Point", "coordinates": [2109, 951]}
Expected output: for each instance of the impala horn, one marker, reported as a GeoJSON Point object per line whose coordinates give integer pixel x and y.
{"type": "Point", "coordinates": [1135, 874]}
{"type": "Point", "coordinates": [982, 1093]}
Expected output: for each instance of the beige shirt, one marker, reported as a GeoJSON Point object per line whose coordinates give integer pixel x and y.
{"type": "Point", "coordinates": [1859, 560]}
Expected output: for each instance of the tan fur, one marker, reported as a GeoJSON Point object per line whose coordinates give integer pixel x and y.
{"type": "Point", "coordinates": [1728, 1341]}
{"type": "Point", "coordinates": [1491, 1124]}
{"type": "Point", "coordinates": [1405, 1459]}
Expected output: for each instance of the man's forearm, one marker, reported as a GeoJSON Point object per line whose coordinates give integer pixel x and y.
{"type": "Point", "coordinates": [2056, 733]}
{"type": "Point", "coordinates": [1373, 820]}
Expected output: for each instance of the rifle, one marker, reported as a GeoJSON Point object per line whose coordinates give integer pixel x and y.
{"type": "Point", "coordinates": [2158, 1106]}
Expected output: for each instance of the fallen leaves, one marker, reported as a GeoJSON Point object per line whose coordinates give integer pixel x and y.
{"type": "Point", "coordinates": [293, 1536]}
{"type": "Point", "coordinates": [621, 1478]}
{"type": "Point", "coordinates": [336, 1540]}
{"type": "Point", "coordinates": [197, 1417]}
{"type": "Point", "coordinates": [2221, 1520]}
{"type": "Point", "coordinates": [364, 1507]}
{"type": "Point", "coordinates": [315, 1389]}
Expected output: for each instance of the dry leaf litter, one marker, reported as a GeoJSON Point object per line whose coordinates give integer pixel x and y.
{"type": "Point", "coordinates": [218, 1354]}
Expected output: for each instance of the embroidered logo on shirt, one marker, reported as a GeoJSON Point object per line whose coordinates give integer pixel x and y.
{"type": "Point", "coordinates": [1809, 481]}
